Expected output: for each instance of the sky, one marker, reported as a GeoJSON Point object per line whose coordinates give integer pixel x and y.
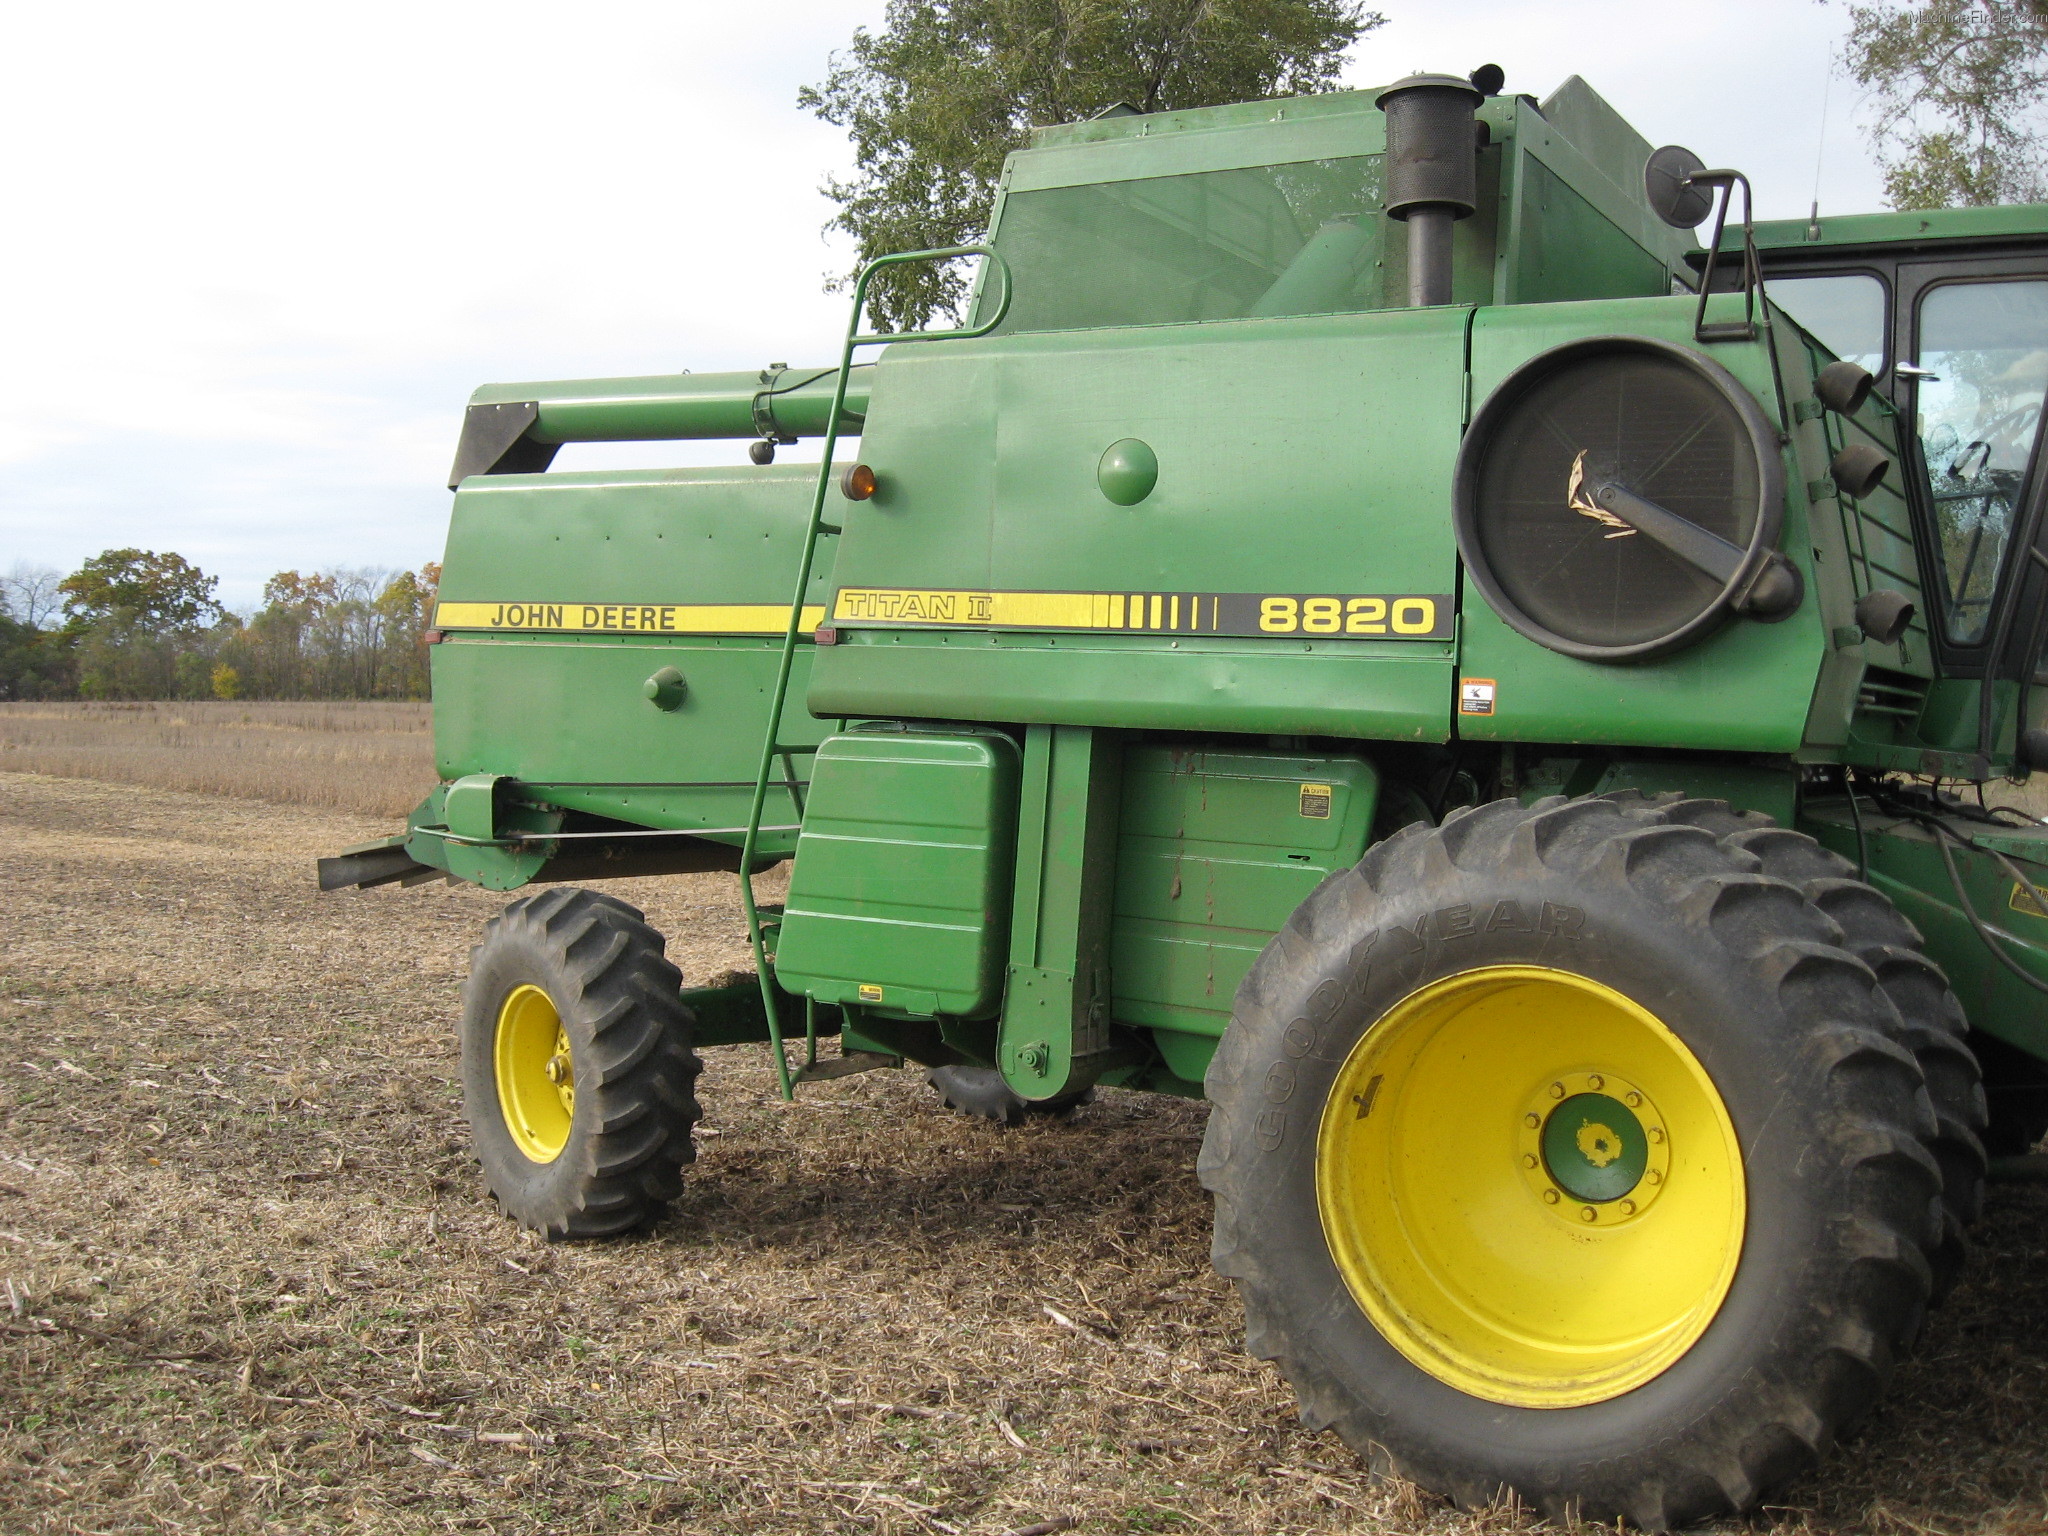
{"type": "Point", "coordinates": [257, 255]}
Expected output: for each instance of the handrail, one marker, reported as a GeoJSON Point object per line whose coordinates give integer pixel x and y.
{"type": "Point", "coordinates": [771, 746]}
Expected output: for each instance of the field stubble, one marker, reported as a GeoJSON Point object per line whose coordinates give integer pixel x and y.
{"type": "Point", "coordinates": [251, 1284]}
{"type": "Point", "coordinates": [374, 759]}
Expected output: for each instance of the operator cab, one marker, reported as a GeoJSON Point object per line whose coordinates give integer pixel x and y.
{"type": "Point", "coordinates": [1948, 311]}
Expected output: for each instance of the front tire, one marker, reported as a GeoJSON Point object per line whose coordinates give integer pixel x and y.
{"type": "Point", "coordinates": [577, 1072]}
{"type": "Point", "coordinates": [1561, 1151]}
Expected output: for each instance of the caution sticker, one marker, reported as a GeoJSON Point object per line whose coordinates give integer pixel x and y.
{"type": "Point", "coordinates": [1475, 695]}
{"type": "Point", "coordinates": [1315, 801]}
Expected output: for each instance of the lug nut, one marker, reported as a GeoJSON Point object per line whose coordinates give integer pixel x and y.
{"type": "Point", "coordinates": [1587, 1212]}
{"type": "Point", "coordinates": [1634, 1100]}
{"type": "Point", "coordinates": [1550, 1197]}
{"type": "Point", "coordinates": [1653, 1177]}
{"type": "Point", "coordinates": [1532, 1121]}
{"type": "Point", "coordinates": [1528, 1161]}
{"type": "Point", "coordinates": [1657, 1133]}
{"type": "Point", "coordinates": [1628, 1207]}
{"type": "Point", "coordinates": [1596, 1081]}
{"type": "Point", "coordinates": [1557, 1090]}
{"type": "Point", "coordinates": [558, 1070]}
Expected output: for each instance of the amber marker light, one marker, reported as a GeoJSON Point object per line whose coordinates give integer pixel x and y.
{"type": "Point", "coordinates": [858, 483]}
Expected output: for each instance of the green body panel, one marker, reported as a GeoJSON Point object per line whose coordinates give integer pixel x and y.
{"type": "Point", "coordinates": [567, 714]}
{"type": "Point", "coordinates": [1906, 865]}
{"type": "Point", "coordinates": [1248, 420]}
{"type": "Point", "coordinates": [1214, 850]}
{"type": "Point", "coordinates": [567, 717]}
{"type": "Point", "coordinates": [1393, 692]}
{"type": "Point", "coordinates": [714, 535]}
{"type": "Point", "coordinates": [1566, 248]}
{"type": "Point", "coordinates": [900, 889]}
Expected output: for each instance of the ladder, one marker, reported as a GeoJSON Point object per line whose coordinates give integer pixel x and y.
{"type": "Point", "coordinates": [759, 924]}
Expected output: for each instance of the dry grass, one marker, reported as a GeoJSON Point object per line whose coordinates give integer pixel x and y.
{"type": "Point", "coordinates": [255, 1288]}
{"type": "Point", "coordinates": [371, 759]}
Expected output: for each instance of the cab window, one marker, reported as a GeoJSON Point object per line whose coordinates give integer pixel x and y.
{"type": "Point", "coordinates": [1844, 312]}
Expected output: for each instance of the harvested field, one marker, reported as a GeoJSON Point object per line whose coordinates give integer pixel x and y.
{"type": "Point", "coordinates": [373, 759]}
{"type": "Point", "coordinates": [252, 1285]}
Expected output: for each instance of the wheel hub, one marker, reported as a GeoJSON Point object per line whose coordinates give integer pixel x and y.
{"type": "Point", "coordinates": [1593, 1147]}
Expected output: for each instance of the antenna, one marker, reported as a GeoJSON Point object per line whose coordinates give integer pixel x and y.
{"type": "Point", "coordinates": [1820, 149]}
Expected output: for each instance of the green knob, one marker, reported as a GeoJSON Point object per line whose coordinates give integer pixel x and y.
{"type": "Point", "coordinates": [666, 689]}
{"type": "Point", "coordinates": [1128, 471]}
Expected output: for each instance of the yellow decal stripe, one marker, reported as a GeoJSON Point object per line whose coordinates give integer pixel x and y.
{"type": "Point", "coordinates": [1336, 616]}
{"type": "Point", "coordinates": [625, 618]}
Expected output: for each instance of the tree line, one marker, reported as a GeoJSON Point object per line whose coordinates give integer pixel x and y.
{"type": "Point", "coordinates": [138, 624]}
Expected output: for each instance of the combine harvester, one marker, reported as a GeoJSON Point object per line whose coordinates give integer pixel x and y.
{"type": "Point", "coordinates": [1372, 624]}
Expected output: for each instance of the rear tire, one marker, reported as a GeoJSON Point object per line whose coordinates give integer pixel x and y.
{"type": "Point", "coordinates": [577, 1073]}
{"type": "Point", "coordinates": [1390, 1219]}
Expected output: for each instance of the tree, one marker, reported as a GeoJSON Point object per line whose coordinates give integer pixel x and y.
{"type": "Point", "coordinates": [35, 663]}
{"type": "Point", "coordinates": [947, 88]}
{"type": "Point", "coordinates": [1957, 89]}
{"type": "Point", "coordinates": [337, 634]}
{"type": "Point", "coordinates": [29, 595]}
{"type": "Point", "coordinates": [138, 618]}
{"type": "Point", "coordinates": [162, 593]}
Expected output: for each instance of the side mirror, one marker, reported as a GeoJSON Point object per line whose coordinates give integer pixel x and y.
{"type": "Point", "coordinates": [1674, 196]}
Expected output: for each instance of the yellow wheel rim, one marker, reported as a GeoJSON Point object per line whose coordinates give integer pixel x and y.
{"type": "Point", "coordinates": [536, 1079]}
{"type": "Point", "coordinates": [1531, 1186]}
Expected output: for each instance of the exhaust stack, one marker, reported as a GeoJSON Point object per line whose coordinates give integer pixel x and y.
{"type": "Point", "coordinates": [1432, 172]}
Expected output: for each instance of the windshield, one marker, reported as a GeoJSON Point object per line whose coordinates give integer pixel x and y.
{"type": "Point", "coordinates": [1299, 239]}
{"type": "Point", "coordinates": [1984, 349]}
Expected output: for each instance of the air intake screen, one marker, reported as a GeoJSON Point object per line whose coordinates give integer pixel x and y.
{"type": "Point", "coordinates": [1668, 426]}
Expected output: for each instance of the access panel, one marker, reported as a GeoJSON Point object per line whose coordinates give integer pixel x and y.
{"type": "Point", "coordinates": [900, 895]}
{"type": "Point", "coordinates": [1215, 851]}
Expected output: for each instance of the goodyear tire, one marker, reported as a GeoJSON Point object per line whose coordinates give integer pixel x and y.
{"type": "Point", "coordinates": [1562, 1151]}
{"type": "Point", "coordinates": [1932, 1024]}
{"type": "Point", "coordinates": [577, 1072]}
{"type": "Point", "coordinates": [981, 1091]}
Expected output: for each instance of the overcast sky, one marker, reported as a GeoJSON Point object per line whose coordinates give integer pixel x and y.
{"type": "Point", "coordinates": [259, 254]}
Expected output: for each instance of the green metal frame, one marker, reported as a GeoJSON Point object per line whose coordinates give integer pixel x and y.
{"type": "Point", "coordinates": [772, 746]}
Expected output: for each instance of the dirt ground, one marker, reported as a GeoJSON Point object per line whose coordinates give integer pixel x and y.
{"type": "Point", "coordinates": [250, 1283]}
